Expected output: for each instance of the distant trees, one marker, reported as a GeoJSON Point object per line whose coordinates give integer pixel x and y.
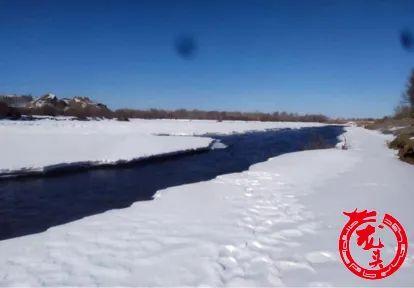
{"type": "Point", "coordinates": [410, 90]}
{"type": "Point", "coordinates": [82, 112]}
{"type": "Point", "coordinates": [8, 112]}
{"type": "Point", "coordinates": [16, 100]}
{"type": "Point", "coordinates": [402, 111]}
{"type": "Point", "coordinates": [217, 115]}
{"type": "Point", "coordinates": [406, 107]}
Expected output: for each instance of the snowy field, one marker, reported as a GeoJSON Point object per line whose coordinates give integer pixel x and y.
{"type": "Point", "coordinates": [30, 146]}
{"type": "Point", "coordinates": [276, 224]}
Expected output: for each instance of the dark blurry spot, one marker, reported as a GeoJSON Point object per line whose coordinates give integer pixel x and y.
{"type": "Point", "coordinates": [407, 39]}
{"type": "Point", "coordinates": [185, 46]}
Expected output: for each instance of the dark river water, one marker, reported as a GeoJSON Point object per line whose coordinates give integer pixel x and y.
{"type": "Point", "coordinates": [33, 204]}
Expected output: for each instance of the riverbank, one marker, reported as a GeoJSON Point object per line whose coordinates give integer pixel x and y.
{"type": "Point", "coordinates": [276, 224]}
{"type": "Point", "coordinates": [36, 147]}
{"type": "Point", "coordinates": [402, 129]}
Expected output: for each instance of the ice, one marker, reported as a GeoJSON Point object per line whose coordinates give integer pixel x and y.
{"type": "Point", "coordinates": [276, 224]}
{"type": "Point", "coordinates": [218, 145]}
{"type": "Point", "coordinates": [47, 144]}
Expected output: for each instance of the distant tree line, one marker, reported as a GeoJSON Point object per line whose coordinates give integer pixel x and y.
{"type": "Point", "coordinates": [125, 114]}
{"type": "Point", "coordinates": [217, 115]}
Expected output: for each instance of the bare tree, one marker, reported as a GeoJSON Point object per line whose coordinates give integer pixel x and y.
{"type": "Point", "coordinates": [410, 90]}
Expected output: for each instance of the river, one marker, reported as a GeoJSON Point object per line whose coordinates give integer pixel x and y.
{"type": "Point", "coordinates": [34, 204]}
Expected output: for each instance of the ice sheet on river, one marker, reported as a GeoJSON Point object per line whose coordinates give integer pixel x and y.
{"type": "Point", "coordinates": [276, 224]}
{"type": "Point", "coordinates": [30, 146]}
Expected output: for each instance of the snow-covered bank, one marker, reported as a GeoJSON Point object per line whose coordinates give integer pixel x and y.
{"type": "Point", "coordinates": [276, 224]}
{"type": "Point", "coordinates": [159, 126]}
{"type": "Point", "coordinates": [44, 145]}
{"type": "Point", "coordinates": [48, 152]}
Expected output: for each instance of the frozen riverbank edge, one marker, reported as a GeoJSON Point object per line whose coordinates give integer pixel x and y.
{"type": "Point", "coordinates": [48, 146]}
{"type": "Point", "coordinates": [276, 224]}
{"type": "Point", "coordinates": [84, 165]}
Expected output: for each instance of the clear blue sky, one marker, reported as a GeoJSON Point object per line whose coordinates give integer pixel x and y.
{"type": "Point", "coordinates": [340, 58]}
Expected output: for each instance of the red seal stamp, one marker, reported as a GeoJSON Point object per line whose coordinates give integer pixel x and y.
{"type": "Point", "coordinates": [371, 249]}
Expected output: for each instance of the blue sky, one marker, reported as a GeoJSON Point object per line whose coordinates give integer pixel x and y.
{"type": "Point", "coordinates": [340, 58]}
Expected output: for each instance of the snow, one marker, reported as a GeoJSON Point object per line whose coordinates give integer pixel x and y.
{"type": "Point", "coordinates": [46, 144]}
{"type": "Point", "coordinates": [51, 96]}
{"type": "Point", "coordinates": [51, 151]}
{"type": "Point", "coordinates": [395, 128]}
{"type": "Point", "coordinates": [276, 224]}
